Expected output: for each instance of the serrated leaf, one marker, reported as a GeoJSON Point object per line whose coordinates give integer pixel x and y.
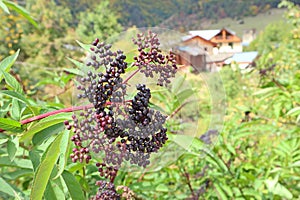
{"type": "Point", "coordinates": [20, 10]}
{"type": "Point", "coordinates": [7, 62]}
{"type": "Point", "coordinates": [11, 81]}
{"type": "Point", "coordinates": [44, 170]}
{"type": "Point", "coordinates": [74, 187]}
{"type": "Point", "coordinates": [15, 95]}
{"type": "Point", "coordinates": [12, 147]}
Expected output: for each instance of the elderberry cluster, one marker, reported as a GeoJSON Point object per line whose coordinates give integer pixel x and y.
{"type": "Point", "coordinates": [140, 105]}
{"type": "Point", "coordinates": [122, 129]}
{"type": "Point", "coordinates": [106, 191]}
{"type": "Point", "coordinates": [151, 60]}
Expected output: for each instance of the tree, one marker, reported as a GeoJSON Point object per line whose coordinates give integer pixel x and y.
{"type": "Point", "coordinates": [99, 23]}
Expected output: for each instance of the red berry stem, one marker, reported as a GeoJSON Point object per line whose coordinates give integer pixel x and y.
{"type": "Point", "coordinates": [70, 109]}
{"type": "Point", "coordinates": [131, 75]}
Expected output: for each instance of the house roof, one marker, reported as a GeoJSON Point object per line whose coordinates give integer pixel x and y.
{"type": "Point", "coordinates": [208, 34]}
{"type": "Point", "coordinates": [243, 57]}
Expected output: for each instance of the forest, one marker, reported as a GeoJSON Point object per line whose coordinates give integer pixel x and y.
{"type": "Point", "coordinates": [94, 107]}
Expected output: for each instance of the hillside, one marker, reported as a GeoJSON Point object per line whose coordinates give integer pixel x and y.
{"type": "Point", "coordinates": [184, 15]}
{"type": "Point", "coordinates": [258, 22]}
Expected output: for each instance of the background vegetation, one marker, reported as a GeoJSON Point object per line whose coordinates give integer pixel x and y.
{"type": "Point", "coordinates": [255, 156]}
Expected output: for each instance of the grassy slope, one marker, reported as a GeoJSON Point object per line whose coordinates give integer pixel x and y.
{"type": "Point", "coordinates": [258, 22]}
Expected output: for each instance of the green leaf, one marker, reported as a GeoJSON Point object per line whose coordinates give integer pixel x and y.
{"type": "Point", "coordinates": [178, 82]}
{"type": "Point", "coordinates": [16, 110]}
{"type": "Point", "coordinates": [227, 189]}
{"type": "Point", "coordinates": [252, 193]}
{"type": "Point", "coordinates": [17, 162]}
{"type": "Point", "coordinates": [18, 173]}
{"type": "Point", "coordinates": [294, 111]}
{"type": "Point", "coordinates": [44, 170]}
{"type": "Point", "coordinates": [73, 186]}
{"type": "Point", "coordinates": [74, 71]}
{"type": "Point", "coordinates": [221, 193]}
{"type": "Point", "coordinates": [10, 122]}
{"type": "Point", "coordinates": [84, 46]}
{"type": "Point", "coordinates": [63, 156]}
{"type": "Point", "coordinates": [10, 125]}
{"type": "Point", "coordinates": [162, 188]}
{"type": "Point", "coordinates": [15, 95]}
{"type": "Point", "coordinates": [4, 7]}
{"type": "Point", "coordinates": [185, 141]}
{"type": "Point", "coordinates": [54, 192]}
{"type": "Point", "coordinates": [46, 133]}
{"type": "Point", "coordinates": [282, 191]}
{"type": "Point", "coordinates": [78, 64]}
{"type": "Point", "coordinates": [6, 188]}
{"type": "Point", "coordinates": [214, 159]}
{"type": "Point", "coordinates": [45, 123]}
{"type": "Point", "coordinates": [11, 81]}
{"type": "Point", "coordinates": [20, 10]}
{"type": "Point", "coordinates": [267, 92]}
{"type": "Point", "coordinates": [185, 94]}
{"type": "Point", "coordinates": [64, 116]}
{"type": "Point", "coordinates": [12, 147]}
{"type": "Point", "coordinates": [6, 64]}
{"type": "Point", "coordinates": [35, 158]}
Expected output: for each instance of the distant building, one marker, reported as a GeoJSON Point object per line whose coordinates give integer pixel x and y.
{"type": "Point", "coordinates": [248, 36]}
{"type": "Point", "coordinates": [243, 60]}
{"type": "Point", "coordinates": [191, 56]}
{"type": "Point", "coordinates": [207, 50]}
{"type": "Point", "coordinates": [214, 41]}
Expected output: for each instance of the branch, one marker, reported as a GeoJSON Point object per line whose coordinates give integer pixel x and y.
{"type": "Point", "coordinates": [179, 108]}
{"type": "Point", "coordinates": [129, 77]}
{"type": "Point", "coordinates": [187, 176]}
{"type": "Point", "coordinates": [70, 109]}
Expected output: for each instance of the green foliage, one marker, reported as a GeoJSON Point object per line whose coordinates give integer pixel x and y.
{"type": "Point", "coordinates": [271, 37]}
{"type": "Point", "coordinates": [255, 156]}
{"type": "Point", "coordinates": [100, 23]}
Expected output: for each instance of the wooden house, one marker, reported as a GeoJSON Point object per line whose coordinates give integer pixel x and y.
{"type": "Point", "coordinates": [214, 41]}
